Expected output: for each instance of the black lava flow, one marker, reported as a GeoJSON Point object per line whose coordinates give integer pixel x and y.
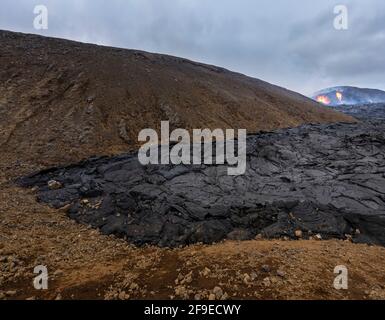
{"type": "Point", "coordinates": [326, 180]}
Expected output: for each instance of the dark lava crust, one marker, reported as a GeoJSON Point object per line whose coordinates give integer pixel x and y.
{"type": "Point", "coordinates": [321, 179]}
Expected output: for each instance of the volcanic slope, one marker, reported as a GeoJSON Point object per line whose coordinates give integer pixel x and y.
{"type": "Point", "coordinates": [62, 101]}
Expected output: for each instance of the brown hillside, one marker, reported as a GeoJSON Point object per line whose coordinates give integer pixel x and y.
{"type": "Point", "coordinates": [61, 100]}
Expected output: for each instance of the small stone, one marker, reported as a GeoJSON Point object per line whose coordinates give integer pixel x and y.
{"type": "Point", "coordinates": [181, 291]}
{"type": "Point", "coordinates": [281, 273]}
{"type": "Point", "coordinates": [65, 208]}
{"type": "Point", "coordinates": [54, 185]}
{"type": "Point", "coordinates": [134, 286]}
{"type": "Point", "coordinates": [273, 280]}
{"type": "Point", "coordinates": [58, 297]}
{"type": "Point", "coordinates": [212, 296]}
{"type": "Point", "coordinates": [225, 296]}
{"type": "Point", "coordinates": [90, 99]}
{"type": "Point", "coordinates": [11, 293]}
{"type": "Point", "coordinates": [298, 233]}
{"type": "Point", "coordinates": [206, 271]}
{"type": "Point", "coordinates": [246, 278]}
{"type": "Point", "coordinates": [197, 297]}
{"type": "Point", "coordinates": [12, 265]}
{"type": "Point", "coordinates": [188, 278]}
{"type": "Point", "coordinates": [265, 268]}
{"type": "Point", "coordinates": [122, 295]}
{"type": "Point", "coordinates": [318, 237]}
{"type": "Point", "coordinates": [239, 235]}
{"type": "Point", "coordinates": [218, 292]}
{"type": "Point", "coordinates": [180, 276]}
{"type": "Point", "coordinates": [85, 202]}
{"type": "Point", "coordinates": [266, 282]}
{"type": "Point", "coordinates": [184, 279]}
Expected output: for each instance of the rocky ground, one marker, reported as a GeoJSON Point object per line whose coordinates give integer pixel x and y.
{"type": "Point", "coordinates": [365, 111]}
{"type": "Point", "coordinates": [84, 264]}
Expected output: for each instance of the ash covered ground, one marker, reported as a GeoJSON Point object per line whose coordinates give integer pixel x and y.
{"type": "Point", "coordinates": [315, 180]}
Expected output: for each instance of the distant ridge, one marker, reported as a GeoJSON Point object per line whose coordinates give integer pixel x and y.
{"type": "Point", "coordinates": [349, 95]}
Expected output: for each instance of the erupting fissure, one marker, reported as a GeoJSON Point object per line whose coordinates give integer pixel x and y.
{"type": "Point", "coordinates": [323, 99]}
{"type": "Point", "coordinates": [339, 96]}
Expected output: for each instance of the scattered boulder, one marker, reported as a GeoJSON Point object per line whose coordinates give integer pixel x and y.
{"type": "Point", "coordinates": [318, 237]}
{"type": "Point", "coordinates": [298, 233]}
{"type": "Point", "coordinates": [181, 292]}
{"type": "Point", "coordinates": [218, 292]}
{"type": "Point", "coordinates": [239, 234]}
{"type": "Point", "coordinates": [212, 296]}
{"type": "Point", "coordinates": [246, 278]}
{"type": "Point", "coordinates": [90, 99]}
{"type": "Point", "coordinates": [206, 271]}
{"type": "Point", "coordinates": [266, 268]}
{"type": "Point", "coordinates": [281, 273]}
{"type": "Point", "coordinates": [266, 282]}
{"type": "Point", "coordinates": [54, 185]}
{"type": "Point", "coordinates": [10, 293]}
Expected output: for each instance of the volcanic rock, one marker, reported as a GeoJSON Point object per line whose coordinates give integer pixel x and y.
{"type": "Point", "coordinates": [322, 179]}
{"type": "Point", "coordinates": [281, 273]}
{"type": "Point", "coordinates": [365, 111]}
{"type": "Point", "coordinates": [218, 292]}
{"type": "Point", "coordinates": [298, 233]}
{"type": "Point", "coordinates": [53, 185]}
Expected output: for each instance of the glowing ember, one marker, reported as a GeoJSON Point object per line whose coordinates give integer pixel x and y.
{"type": "Point", "coordinates": [339, 96]}
{"type": "Point", "coordinates": [323, 99]}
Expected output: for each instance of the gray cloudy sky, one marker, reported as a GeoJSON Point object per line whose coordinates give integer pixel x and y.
{"type": "Point", "coordinates": [291, 43]}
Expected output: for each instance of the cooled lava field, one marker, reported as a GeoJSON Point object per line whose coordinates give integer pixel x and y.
{"type": "Point", "coordinates": [323, 180]}
{"type": "Point", "coordinates": [365, 111]}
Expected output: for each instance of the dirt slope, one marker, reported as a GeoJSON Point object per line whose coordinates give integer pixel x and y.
{"type": "Point", "coordinates": [61, 100]}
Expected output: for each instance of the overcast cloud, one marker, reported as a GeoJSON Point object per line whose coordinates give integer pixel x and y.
{"type": "Point", "coordinates": [291, 43]}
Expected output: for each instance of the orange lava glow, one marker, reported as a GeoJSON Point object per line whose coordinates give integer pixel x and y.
{"type": "Point", "coordinates": [339, 96]}
{"type": "Point", "coordinates": [323, 99]}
